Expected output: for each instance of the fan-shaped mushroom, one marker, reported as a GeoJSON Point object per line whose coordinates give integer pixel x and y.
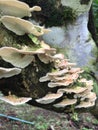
{"type": "Point", "coordinates": [16, 8]}
{"type": "Point", "coordinates": [54, 75]}
{"type": "Point", "coordinates": [60, 83]}
{"type": "Point", "coordinates": [8, 72]}
{"type": "Point", "coordinates": [84, 104]}
{"type": "Point", "coordinates": [16, 58]}
{"type": "Point", "coordinates": [49, 98]}
{"type": "Point", "coordinates": [65, 102]}
{"type": "Point", "coordinates": [13, 100]}
{"type": "Point", "coordinates": [73, 90]}
{"type": "Point", "coordinates": [64, 63]}
{"type": "Point", "coordinates": [91, 96]}
{"type": "Point", "coordinates": [21, 26]}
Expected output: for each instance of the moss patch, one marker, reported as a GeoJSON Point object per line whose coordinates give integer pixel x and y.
{"type": "Point", "coordinates": [84, 1]}
{"type": "Point", "coordinates": [53, 13]}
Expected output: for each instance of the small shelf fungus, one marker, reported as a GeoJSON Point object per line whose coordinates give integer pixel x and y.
{"type": "Point", "coordinates": [49, 98]}
{"type": "Point", "coordinates": [23, 57]}
{"type": "Point", "coordinates": [14, 57]}
{"type": "Point", "coordinates": [20, 26]}
{"type": "Point", "coordinates": [13, 100]}
{"type": "Point", "coordinates": [16, 8]}
{"type": "Point", "coordinates": [65, 102]}
{"type": "Point", "coordinates": [55, 82]}
{"type": "Point", "coordinates": [49, 55]}
{"type": "Point", "coordinates": [85, 104]}
{"type": "Point", "coordinates": [9, 72]}
{"type": "Point", "coordinates": [73, 90]}
{"type": "Point", "coordinates": [19, 58]}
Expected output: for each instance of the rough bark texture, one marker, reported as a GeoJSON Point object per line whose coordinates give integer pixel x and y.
{"type": "Point", "coordinates": [27, 83]}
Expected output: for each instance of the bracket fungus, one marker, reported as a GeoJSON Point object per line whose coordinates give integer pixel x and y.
{"type": "Point", "coordinates": [14, 57]}
{"type": "Point", "coordinates": [8, 72]}
{"type": "Point", "coordinates": [87, 99]}
{"type": "Point", "coordinates": [19, 58]}
{"type": "Point", "coordinates": [13, 100]}
{"type": "Point", "coordinates": [60, 83]}
{"type": "Point", "coordinates": [91, 96]}
{"type": "Point", "coordinates": [60, 78]}
{"type": "Point", "coordinates": [85, 104]}
{"type": "Point", "coordinates": [49, 98]}
{"type": "Point", "coordinates": [65, 63]}
{"type": "Point", "coordinates": [20, 26]}
{"type": "Point", "coordinates": [53, 75]}
{"type": "Point", "coordinates": [16, 8]}
{"type": "Point", "coordinates": [73, 90]}
{"type": "Point", "coordinates": [65, 102]}
{"type": "Point", "coordinates": [47, 56]}
{"type": "Point", "coordinates": [67, 80]}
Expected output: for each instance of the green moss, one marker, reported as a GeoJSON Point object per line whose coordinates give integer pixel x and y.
{"type": "Point", "coordinates": [80, 84]}
{"type": "Point", "coordinates": [60, 16]}
{"type": "Point", "coordinates": [53, 13]}
{"type": "Point", "coordinates": [84, 1]}
{"type": "Point", "coordinates": [90, 76]}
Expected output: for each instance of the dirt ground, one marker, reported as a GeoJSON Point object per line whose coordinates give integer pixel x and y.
{"type": "Point", "coordinates": [44, 119]}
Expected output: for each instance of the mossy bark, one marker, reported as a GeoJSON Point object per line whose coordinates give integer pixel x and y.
{"type": "Point", "coordinates": [53, 13]}
{"type": "Point", "coordinates": [27, 83]}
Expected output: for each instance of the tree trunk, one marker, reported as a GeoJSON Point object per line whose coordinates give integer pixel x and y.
{"type": "Point", "coordinates": [62, 15]}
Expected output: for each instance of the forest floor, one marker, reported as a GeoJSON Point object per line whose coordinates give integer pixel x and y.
{"type": "Point", "coordinates": [44, 119]}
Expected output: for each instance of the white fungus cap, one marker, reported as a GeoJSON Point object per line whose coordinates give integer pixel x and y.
{"type": "Point", "coordinates": [13, 56]}
{"type": "Point", "coordinates": [49, 98]}
{"type": "Point", "coordinates": [20, 26]}
{"type": "Point", "coordinates": [84, 104]}
{"type": "Point", "coordinates": [65, 102]}
{"type": "Point", "coordinates": [16, 8]}
{"type": "Point", "coordinates": [73, 90]}
{"type": "Point", "coordinates": [8, 72]}
{"type": "Point", "coordinates": [13, 100]}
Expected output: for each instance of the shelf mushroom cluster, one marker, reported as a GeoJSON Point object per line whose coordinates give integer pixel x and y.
{"type": "Point", "coordinates": [68, 81]}
{"type": "Point", "coordinates": [70, 87]}
{"type": "Point", "coordinates": [11, 13]}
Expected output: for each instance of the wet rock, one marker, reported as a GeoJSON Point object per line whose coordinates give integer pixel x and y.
{"type": "Point", "coordinates": [74, 41]}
